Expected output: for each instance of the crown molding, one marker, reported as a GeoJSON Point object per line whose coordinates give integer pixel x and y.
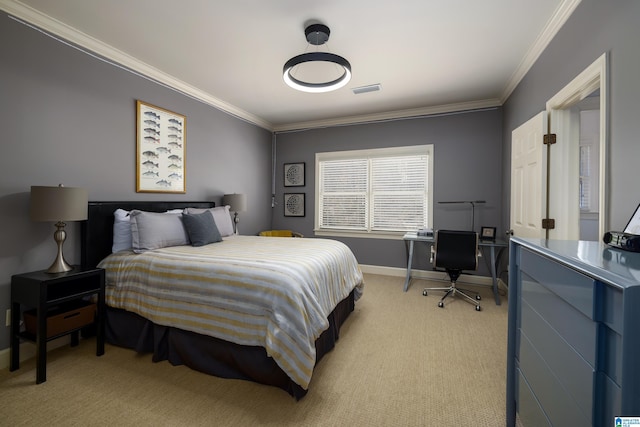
{"type": "Point", "coordinates": [562, 13]}
{"type": "Point", "coordinates": [95, 47]}
{"type": "Point", "coordinates": [103, 51]}
{"type": "Point", "coordinates": [390, 115]}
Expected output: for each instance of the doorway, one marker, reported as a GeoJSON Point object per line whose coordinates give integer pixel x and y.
{"type": "Point", "coordinates": [562, 185]}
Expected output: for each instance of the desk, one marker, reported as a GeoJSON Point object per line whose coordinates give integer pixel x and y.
{"type": "Point", "coordinates": [495, 248]}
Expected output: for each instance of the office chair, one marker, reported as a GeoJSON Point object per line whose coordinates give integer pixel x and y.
{"type": "Point", "coordinates": [280, 233]}
{"type": "Point", "coordinates": [455, 251]}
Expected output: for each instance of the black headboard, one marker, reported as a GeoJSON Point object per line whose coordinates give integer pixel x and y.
{"type": "Point", "coordinates": [97, 230]}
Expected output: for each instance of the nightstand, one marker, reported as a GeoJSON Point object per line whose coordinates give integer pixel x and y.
{"type": "Point", "coordinates": [60, 303]}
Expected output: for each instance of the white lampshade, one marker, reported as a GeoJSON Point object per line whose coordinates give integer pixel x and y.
{"type": "Point", "coordinates": [58, 203]}
{"type": "Point", "coordinates": [238, 202]}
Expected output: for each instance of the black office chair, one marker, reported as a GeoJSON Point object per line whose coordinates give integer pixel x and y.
{"type": "Point", "coordinates": [455, 251]}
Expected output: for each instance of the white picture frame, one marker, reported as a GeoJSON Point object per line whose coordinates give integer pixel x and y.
{"type": "Point", "coordinates": [160, 150]}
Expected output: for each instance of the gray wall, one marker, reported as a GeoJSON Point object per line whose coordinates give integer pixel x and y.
{"type": "Point", "coordinates": [67, 117]}
{"type": "Point", "coordinates": [467, 166]}
{"type": "Point", "coordinates": [594, 28]}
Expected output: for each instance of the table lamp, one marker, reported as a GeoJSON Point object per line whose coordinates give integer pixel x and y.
{"type": "Point", "coordinates": [59, 204]}
{"type": "Point", "coordinates": [237, 203]}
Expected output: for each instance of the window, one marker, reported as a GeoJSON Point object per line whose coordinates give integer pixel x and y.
{"type": "Point", "coordinates": [585, 177]}
{"type": "Point", "coordinates": [374, 192]}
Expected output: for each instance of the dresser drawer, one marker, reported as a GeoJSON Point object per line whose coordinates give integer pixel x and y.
{"type": "Point", "coordinates": [575, 288]}
{"type": "Point", "coordinates": [572, 372]}
{"type": "Point", "coordinates": [559, 406]}
{"type": "Point", "coordinates": [529, 410]}
{"type": "Point", "coordinates": [571, 324]}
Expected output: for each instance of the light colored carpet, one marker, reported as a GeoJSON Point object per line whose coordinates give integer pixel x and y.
{"type": "Point", "coordinates": [400, 361]}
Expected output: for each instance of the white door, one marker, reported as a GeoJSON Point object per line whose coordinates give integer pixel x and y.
{"type": "Point", "coordinates": [564, 193]}
{"type": "Point", "coordinates": [528, 177]}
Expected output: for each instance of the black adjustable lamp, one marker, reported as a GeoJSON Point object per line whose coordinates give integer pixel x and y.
{"type": "Point", "coordinates": [473, 204]}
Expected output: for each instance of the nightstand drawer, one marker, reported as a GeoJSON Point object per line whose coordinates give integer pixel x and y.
{"type": "Point", "coordinates": [71, 289]}
{"type": "Point", "coordinates": [62, 318]}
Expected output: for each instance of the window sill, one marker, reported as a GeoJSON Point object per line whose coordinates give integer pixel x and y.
{"type": "Point", "coordinates": [391, 235]}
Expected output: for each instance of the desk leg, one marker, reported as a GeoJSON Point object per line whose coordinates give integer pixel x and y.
{"type": "Point", "coordinates": [409, 263]}
{"type": "Point", "coordinates": [494, 275]}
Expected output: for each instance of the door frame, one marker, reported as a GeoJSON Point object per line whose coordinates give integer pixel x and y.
{"type": "Point", "coordinates": [558, 107]}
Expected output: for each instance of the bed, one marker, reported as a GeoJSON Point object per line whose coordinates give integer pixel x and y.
{"type": "Point", "coordinates": [263, 309]}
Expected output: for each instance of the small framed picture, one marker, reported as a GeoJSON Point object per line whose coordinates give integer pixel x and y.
{"type": "Point", "coordinates": [294, 174]}
{"type": "Point", "coordinates": [488, 233]}
{"type": "Point", "coordinates": [294, 204]}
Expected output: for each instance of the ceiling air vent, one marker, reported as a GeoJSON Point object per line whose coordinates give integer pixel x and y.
{"type": "Point", "coordinates": [364, 89]}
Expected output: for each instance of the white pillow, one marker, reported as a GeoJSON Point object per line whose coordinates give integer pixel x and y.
{"type": "Point", "coordinates": [121, 231]}
{"type": "Point", "coordinates": [221, 216]}
{"type": "Point", "coordinates": [153, 230]}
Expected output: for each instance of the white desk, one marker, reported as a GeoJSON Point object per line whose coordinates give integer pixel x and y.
{"type": "Point", "coordinates": [495, 248]}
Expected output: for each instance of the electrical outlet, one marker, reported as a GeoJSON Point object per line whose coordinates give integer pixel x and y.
{"type": "Point", "coordinates": [8, 318]}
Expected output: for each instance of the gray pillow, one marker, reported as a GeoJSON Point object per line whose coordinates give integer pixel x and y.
{"type": "Point", "coordinates": [201, 228]}
{"type": "Point", "coordinates": [153, 230]}
{"type": "Point", "coordinates": [221, 216]}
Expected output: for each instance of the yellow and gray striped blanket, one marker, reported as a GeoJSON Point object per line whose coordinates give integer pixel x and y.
{"type": "Point", "coordinates": [272, 292]}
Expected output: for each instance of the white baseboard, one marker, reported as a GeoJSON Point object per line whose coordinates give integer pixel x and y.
{"type": "Point", "coordinates": [425, 274]}
{"type": "Point", "coordinates": [28, 350]}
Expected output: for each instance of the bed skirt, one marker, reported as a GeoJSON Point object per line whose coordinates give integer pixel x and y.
{"type": "Point", "coordinates": [212, 355]}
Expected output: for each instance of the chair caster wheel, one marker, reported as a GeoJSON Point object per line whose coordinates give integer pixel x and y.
{"type": "Point", "coordinates": [478, 297]}
{"type": "Point", "coordinates": [440, 304]}
{"type": "Point", "coordinates": [478, 308]}
{"type": "Point", "coordinates": [424, 292]}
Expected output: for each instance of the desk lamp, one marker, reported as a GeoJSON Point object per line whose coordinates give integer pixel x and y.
{"type": "Point", "coordinates": [59, 204]}
{"type": "Point", "coordinates": [237, 203]}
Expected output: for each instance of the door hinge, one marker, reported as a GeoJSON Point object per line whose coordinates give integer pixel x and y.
{"type": "Point", "coordinates": [548, 223]}
{"type": "Point", "coordinates": [549, 139]}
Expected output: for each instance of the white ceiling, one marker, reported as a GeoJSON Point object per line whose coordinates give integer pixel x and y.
{"type": "Point", "coordinates": [428, 55]}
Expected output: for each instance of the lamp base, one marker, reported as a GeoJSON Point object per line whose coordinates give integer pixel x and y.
{"type": "Point", "coordinates": [59, 264]}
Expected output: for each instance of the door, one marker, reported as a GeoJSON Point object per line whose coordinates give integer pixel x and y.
{"type": "Point", "coordinates": [528, 177]}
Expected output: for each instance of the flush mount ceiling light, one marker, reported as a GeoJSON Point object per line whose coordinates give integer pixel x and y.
{"type": "Point", "coordinates": [317, 34]}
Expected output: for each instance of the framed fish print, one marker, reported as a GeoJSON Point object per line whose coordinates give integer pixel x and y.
{"type": "Point", "coordinates": [294, 204]}
{"type": "Point", "coordinates": [160, 157]}
{"type": "Point", "coordinates": [294, 174]}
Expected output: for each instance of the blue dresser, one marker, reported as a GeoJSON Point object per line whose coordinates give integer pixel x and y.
{"type": "Point", "coordinates": [573, 353]}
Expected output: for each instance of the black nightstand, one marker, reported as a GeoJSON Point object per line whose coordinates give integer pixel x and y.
{"type": "Point", "coordinates": [62, 294]}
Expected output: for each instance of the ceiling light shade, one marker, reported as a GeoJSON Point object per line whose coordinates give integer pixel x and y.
{"type": "Point", "coordinates": [317, 34]}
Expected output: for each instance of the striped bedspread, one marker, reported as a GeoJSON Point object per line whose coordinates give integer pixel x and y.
{"type": "Point", "coordinates": [271, 292]}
